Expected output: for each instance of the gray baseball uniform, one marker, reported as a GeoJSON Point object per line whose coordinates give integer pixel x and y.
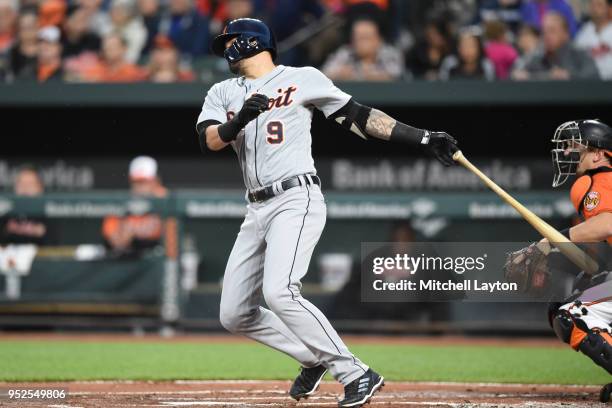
{"type": "Point", "coordinates": [276, 240]}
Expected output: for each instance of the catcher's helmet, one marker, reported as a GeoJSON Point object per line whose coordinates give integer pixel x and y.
{"type": "Point", "coordinates": [570, 138]}
{"type": "Point", "coordinates": [252, 37]}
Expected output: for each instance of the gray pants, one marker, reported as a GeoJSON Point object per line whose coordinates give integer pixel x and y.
{"type": "Point", "coordinates": [270, 256]}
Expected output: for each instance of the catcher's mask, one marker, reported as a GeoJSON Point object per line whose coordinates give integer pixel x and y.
{"type": "Point", "coordinates": [574, 137]}
{"type": "Point", "coordinates": [568, 144]}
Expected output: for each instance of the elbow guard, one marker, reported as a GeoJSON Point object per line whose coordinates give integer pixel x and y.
{"type": "Point", "coordinates": [201, 129]}
{"type": "Point", "coordinates": [353, 116]}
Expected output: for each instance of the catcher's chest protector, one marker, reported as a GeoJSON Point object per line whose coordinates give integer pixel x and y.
{"type": "Point", "coordinates": [591, 194]}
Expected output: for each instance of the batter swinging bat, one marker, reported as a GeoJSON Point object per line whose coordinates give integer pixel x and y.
{"type": "Point", "coordinates": [568, 248]}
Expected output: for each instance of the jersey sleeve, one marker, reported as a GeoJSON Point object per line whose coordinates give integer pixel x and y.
{"type": "Point", "coordinates": [599, 198]}
{"type": "Point", "coordinates": [213, 108]}
{"type": "Point", "coordinates": [321, 92]}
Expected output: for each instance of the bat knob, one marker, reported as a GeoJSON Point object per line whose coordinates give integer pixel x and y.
{"type": "Point", "coordinates": [457, 155]}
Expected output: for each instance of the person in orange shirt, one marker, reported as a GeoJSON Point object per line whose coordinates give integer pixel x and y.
{"type": "Point", "coordinates": [133, 234]}
{"type": "Point", "coordinates": [113, 66]}
{"type": "Point", "coordinates": [584, 321]}
{"type": "Point", "coordinates": [8, 23]}
{"type": "Point", "coordinates": [49, 55]}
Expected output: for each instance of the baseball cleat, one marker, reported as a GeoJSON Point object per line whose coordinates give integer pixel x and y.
{"type": "Point", "coordinates": [307, 382]}
{"type": "Point", "coordinates": [604, 395]}
{"type": "Point", "coordinates": [359, 392]}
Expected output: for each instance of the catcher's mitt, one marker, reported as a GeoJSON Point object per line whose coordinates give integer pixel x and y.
{"type": "Point", "coordinates": [528, 268]}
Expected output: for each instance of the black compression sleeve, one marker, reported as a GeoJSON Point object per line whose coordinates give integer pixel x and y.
{"type": "Point", "coordinates": [201, 129]}
{"type": "Point", "coordinates": [407, 134]}
{"type": "Point", "coordinates": [229, 130]}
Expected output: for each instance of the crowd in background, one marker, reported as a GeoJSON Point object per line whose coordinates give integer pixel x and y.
{"type": "Point", "coordinates": [361, 40]}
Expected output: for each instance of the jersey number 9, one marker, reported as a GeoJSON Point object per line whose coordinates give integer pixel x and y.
{"type": "Point", "coordinates": [276, 133]}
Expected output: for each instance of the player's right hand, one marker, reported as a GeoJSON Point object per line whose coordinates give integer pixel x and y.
{"type": "Point", "coordinates": [442, 146]}
{"type": "Point", "coordinates": [252, 108]}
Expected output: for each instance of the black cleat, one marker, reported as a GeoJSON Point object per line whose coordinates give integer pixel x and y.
{"type": "Point", "coordinates": [361, 390]}
{"type": "Point", "coordinates": [604, 395]}
{"type": "Point", "coordinates": [307, 382]}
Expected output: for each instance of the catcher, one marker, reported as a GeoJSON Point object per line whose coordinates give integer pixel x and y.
{"type": "Point", "coordinates": [582, 148]}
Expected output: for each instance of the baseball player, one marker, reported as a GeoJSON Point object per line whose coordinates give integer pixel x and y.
{"type": "Point", "coordinates": [265, 115]}
{"type": "Point", "coordinates": [583, 148]}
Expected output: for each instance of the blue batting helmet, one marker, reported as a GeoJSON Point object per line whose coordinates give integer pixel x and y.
{"type": "Point", "coordinates": [252, 37]}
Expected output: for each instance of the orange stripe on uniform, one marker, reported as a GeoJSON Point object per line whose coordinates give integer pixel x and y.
{"type": "Point", "coordinates": [577, 337]}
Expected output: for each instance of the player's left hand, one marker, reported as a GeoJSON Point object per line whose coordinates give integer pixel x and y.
{"type": "Point", "coordinates": [442, 146]}
{"type": "Point", "coordinates": [528, 268]}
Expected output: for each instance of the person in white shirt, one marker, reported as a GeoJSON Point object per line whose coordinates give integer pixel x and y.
{"type": "Point", "coordinates": [595, 36]}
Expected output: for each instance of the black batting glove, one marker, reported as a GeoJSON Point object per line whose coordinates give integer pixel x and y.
{"type": "Point", "coordinates": [252, 108]}
{"type": "Point", "coordinates": [440, 145]}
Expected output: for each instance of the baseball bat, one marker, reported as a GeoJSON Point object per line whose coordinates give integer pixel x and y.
{"type": "Point", "coordinates": [567, 247]}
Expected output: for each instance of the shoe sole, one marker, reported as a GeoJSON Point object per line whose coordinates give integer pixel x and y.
{"type": "Point", "coordinates": [312, 391]}
{"type": "Point", "coordinates": [366, 399]}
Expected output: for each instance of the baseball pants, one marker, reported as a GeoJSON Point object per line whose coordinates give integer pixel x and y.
{"type": "Point", "coordinates": [595, 307]}
{"type": "Point", "coordinates": [270, 257]}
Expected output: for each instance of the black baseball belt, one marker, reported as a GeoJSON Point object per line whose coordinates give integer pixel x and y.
{"type": "Point", "coordinates": [266, 193]}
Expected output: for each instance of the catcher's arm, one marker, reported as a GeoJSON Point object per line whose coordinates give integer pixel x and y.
{"type": "Point", "coordinates": [595, 229]}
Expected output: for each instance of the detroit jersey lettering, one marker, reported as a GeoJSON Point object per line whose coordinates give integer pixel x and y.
{"type": "Point", "coordinates": [277, 144]}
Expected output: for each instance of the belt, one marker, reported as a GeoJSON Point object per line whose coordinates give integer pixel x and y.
{"type": "Point", "coordinates": [266, 193]}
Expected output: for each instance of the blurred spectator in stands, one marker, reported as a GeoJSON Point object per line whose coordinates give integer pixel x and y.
{"type": "Point", "coordinates": [426, 57]}
{"type": "Point", "coordinates": [238, 9]}
{"type": "Point", "coordinates": [595, 37]}
{"type": "Point", "coordinates": [99, 20]}
{"type": "Point", "coordinates": [557, 59]}
{"type": "Point", "coordinates": [125, 20]}
{"type": "Point", "coordinates": [132, 234]}
{"type": "Point", "coordinates": [151, 17]}
{"type": "Point", "coordinates": [187, 28]}
{"type": "Point", "coordinates": [528, 39]}
{"type": "Point", "coordinates": [23, 54]}
{"type": "Point", "coordinates": [49, 55]}
{"type": "Point", "coordinates": [78, 38]}
{"type": "Point", "coordinates": [285, 18]}
{"type": "Point", "coordinates": [375, 10]}
{"type": "Point", "coordinates": [533, 12]}
{"type": "Point", "coordinates": [164, 63]}
{"type": "Point", "coordinates": [51, 12]}
{"type": "Point", "coordinates": [498, 49]}
{"type": "Point", "coordinates": [223, 11]}
{"type": "Point", "coordinates": [9, 10]}
{"type": "Point", "coordinates": [527, 42]}
{"type": "Point", "coordinates": [367, 58]}
{"type": "Point", "coordinates": [457, 13]}
{"type": "Point", "coordinates": [21, 229]}
{"type": "Point", "coordinates": [113, 65]}
{"type": "Point", "coordinates": [506, 11]}
{"type": "Point", "coordinates": [470, 61]}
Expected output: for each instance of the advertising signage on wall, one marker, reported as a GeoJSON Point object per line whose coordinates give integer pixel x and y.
{"type": "Point", "coordinates": [340, 174]}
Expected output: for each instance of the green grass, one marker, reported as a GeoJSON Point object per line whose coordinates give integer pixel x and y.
{"type": "Point", "coordinates": [70, 360]}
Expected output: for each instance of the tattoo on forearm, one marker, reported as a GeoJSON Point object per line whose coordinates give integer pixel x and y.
{"type": "Point", "coordinates": [380, 125]}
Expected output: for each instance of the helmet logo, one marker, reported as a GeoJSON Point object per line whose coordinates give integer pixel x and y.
{"type": "Point", "coordinates": [591, 201]}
